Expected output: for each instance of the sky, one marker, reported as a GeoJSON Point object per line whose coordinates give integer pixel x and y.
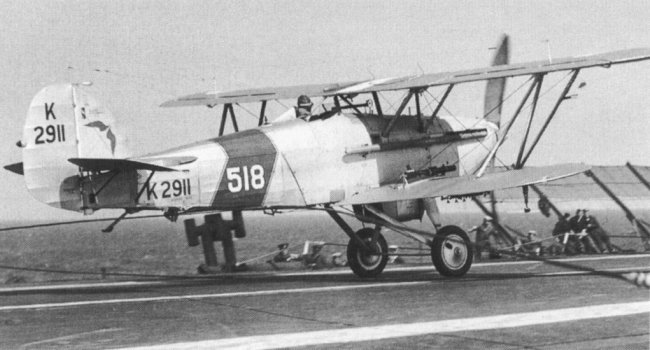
{"type": "Point", "coordinates": [139, 54]}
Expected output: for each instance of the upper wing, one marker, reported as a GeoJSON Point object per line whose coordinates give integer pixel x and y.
{"type": "Point", "coordinates": [415, 81]}
{"type": "Point", "coordinates": [255, 95]}
{"type": "Point", "coordinates": [517, 69]}
{"type": "Point", "coordinates": [465, 185]}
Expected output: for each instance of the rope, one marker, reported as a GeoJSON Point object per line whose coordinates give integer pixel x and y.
{"type": "Point", "coordinates": [95, 273]}
{"type": "Point", "coordinates": [75, 222]}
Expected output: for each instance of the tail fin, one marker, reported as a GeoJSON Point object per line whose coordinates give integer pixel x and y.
{"type": "Point", "coordinates": [495, 87]}
{"type": "Point", "coordinates": [65, 122]}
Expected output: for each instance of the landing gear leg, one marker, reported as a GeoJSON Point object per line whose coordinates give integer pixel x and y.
{"type": "Point", "coordinates": [367, 249]}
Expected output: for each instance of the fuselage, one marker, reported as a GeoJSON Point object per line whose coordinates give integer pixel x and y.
{"type": "Point", "coordinates": [300, 163]}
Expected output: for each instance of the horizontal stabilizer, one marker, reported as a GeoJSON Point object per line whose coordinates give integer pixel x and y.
{"type": "Point", "coordinates": [152, 164]}
{"type": "Point", "coordinates": [16, 168]}
{"type": "Point", "coordinates": [466, 185]}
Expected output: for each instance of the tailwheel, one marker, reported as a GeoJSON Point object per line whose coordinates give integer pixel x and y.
{"type": "Point", "coordinates": [451, 251]}
{"type": "Point", "coordinates": [366, 262]}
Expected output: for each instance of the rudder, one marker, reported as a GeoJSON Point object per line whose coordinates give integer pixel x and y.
{"type": "Point", "coordinates": [495, 87]}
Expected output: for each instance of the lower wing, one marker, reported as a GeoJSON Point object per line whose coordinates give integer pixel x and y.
{"type": "Point", "coordinates": [465, 185]}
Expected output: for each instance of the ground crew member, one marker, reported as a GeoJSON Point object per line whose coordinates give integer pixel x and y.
{"type": "Point", "coordinates": [282, 255]}
{"type": "Point", "coordinates": [533, 245]}
{"type": "Point", "coordinates": [561, 233]}
{"type": "Point", "coordinates": [315, 260]}
{"type": "Point", "coordinates": [576, 242]}
{"type": "Point", "coordinates": [338, 260]}
{"type": "Point", "coordinates": [483, 235]}
{"type": "Point", "coordinates": [585, 236]}
{"type": "Point", "coordinates": [393, 258]}
{"type": "Point", "coordinates": [598, 234]}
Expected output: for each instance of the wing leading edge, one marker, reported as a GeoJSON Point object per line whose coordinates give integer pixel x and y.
{"type": "Point", "coordinates": [415, 81]}
{"type": "Point", "coordinates": [465, 185]}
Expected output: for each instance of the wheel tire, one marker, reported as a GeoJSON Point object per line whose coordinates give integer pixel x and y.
{"type": "Point", "coordinates": [452, 251]}
{"type": "Point", "coordinates": [362, 263]}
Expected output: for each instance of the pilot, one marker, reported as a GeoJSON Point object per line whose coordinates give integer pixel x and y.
{"type": "Point", "coordinates": [303, 108]}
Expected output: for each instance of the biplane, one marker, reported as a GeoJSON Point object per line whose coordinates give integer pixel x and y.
{"type": "Point", "coordinates": [388, 167]}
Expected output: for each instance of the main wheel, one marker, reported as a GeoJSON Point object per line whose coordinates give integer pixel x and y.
{"type": "Point", "coordinates": [451, 251]}
{"type": "Point", "coordinates": [368, 263]}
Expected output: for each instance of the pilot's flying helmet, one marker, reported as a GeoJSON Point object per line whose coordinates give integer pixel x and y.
{"type": "Point", "coordinates": [304, 102]}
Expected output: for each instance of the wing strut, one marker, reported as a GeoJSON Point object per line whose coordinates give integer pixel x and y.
{"type": "Point", "coordinates": [398, 113]}
{"type": "Point", "coordinates": [442, 100]}
{"type": "Point", "coordinates": [504, 133]}
{"type": "Point", "coordinates": [419, 111]}
{"type": "Point", "coordinates": [227, 109]}
{"type": "Point", "coordinates": [539, 79]}
{"type": "Point", "coordinates": [562, 97]}
{"type": "Point", "coordinates": [375, 97]}
{"type": "Point", "coordinates": [262, 116]}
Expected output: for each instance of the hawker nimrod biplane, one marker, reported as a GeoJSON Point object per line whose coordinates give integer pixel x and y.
{"type": "Point", "coordinates": [389, 167]}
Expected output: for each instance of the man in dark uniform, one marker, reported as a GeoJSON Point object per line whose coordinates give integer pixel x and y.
{"type": "Point", "coordinates": [585, 237]}
{"type": "Point", "coordinates": [303, 108]}
{"type": "Point", "coordinates": [578, 223]}
{"type": "Point", "coordinates": [560, 231]}
{"type": "Point", "coordinates": [562, 226]}
{"type": "Point", "coordinates": [316, 260]}
{"type": "Point", "coordinates": [599, 235]}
